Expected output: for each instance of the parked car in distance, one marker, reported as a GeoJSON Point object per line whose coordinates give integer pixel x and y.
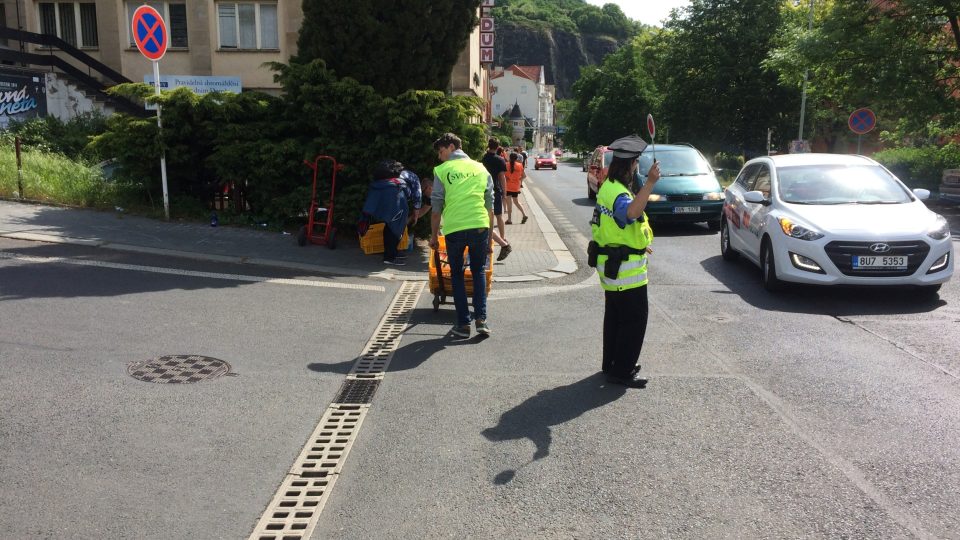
{"type": "Point", "coordinates": [688, 190]}
{"type": "Point", "coordinates": [830, 219]}
{"type": "Point", "coordinates": [545, 161]}
{"type": "Point", "coordinates": [950, 186]}
{"type": "Point", "coordinates": [558, 152]}
{"type": "Point", "coordinates": [597, 165]}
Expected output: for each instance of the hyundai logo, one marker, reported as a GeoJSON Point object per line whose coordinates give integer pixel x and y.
{"type": "Point", "coordinates": [879, 247]}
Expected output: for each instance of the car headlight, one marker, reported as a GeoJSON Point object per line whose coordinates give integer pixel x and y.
{"type": "Point", "coordinates": [656, 198]}
{"type": "Point", "coordinates": [713, 196]}
{"type": "Point", "coordinates": [940, 229]}
{"type": "Point", "coordinates": [800, 232]}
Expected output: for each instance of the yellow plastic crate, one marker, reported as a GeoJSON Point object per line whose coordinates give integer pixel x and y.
{"type": "Point", "coordinates": [372, 242]}
{"type": "Point", "coordinates": [444, 272]}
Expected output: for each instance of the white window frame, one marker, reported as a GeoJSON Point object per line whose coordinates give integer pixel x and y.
{"type": "Point", "coordinates": [132, 5]}
{"type": "Point", "coordinates": [78, 23]}
{"type": "Point", "coordinates": [258, 30]}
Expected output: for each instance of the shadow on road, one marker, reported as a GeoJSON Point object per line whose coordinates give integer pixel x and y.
{"type": "Point", "coordinates": [742, 278]}
{"type": "Point", "coordinates": [681, 229]}
{"type": "Point", "coordinates": [584, 201]}
{"type": "Point", "coordinates": [533, 418]}
{"type": "Point", "coordinates": [413, 354]}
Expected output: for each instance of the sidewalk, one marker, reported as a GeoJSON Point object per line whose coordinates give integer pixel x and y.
{"type": "Point", "coordinates": [537, 253]}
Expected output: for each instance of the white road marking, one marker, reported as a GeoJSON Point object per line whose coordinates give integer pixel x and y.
{"type": "Point", "coordinates": [192, 273]}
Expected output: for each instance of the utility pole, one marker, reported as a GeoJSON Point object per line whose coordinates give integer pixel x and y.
{"type": "Point", "coordinates": [806, 74]}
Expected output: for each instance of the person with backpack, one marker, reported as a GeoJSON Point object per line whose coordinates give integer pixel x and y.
{"type": "Point", "coordinates": [388, 201]}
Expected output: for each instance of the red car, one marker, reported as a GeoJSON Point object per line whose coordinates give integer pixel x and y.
{"type": "Point", "coordinates": [545, 161]}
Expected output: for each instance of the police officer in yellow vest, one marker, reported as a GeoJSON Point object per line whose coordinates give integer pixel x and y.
{"type": "Point", "coordinates": [463, 197]}
{"type": "Point", "coordinates": [621, 238]}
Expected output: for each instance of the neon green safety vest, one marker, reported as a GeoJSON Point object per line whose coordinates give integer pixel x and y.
{"type": "Point", "coordinates": [464, 184]}
{"type": "Point", "coordinates": [637, 235]}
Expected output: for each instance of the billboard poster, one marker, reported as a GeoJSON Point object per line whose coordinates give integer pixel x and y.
{"type": "Point", "coordinates": [23, 95]}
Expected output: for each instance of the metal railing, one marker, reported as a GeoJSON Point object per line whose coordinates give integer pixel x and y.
{"type": "Point", "coordinates": [53, 60]}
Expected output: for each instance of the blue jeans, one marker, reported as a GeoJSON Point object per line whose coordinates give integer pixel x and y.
{"type": "Point", "coordinates": [477, 242]}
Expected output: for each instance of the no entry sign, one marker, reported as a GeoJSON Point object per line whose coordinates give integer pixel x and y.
{"type": "Point", "coordinates": [862, 121]}
{"type": "Point", "coordinates": [149, 32]}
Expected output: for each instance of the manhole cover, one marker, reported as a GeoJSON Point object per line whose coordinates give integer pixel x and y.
{"type": "Point", "coordinates": [178, 369]}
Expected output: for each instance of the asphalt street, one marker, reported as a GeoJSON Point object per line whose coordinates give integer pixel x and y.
{"type": "Point", "coordinates": [815, 413]}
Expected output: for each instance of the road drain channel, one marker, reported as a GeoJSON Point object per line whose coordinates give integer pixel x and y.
{"type": "Point", "coordinates": [295, 509]}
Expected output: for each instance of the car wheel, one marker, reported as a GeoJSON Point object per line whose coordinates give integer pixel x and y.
{"type": "Point", "coordinates": [726, 250]}
{"type": "Point", "coordinates": [714, 225]}
{"type": "Point", "coordinates": [768, 268]}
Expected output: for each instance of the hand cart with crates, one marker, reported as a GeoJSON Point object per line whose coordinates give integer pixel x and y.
{"type": "Point", "coordinates": [439, 265]}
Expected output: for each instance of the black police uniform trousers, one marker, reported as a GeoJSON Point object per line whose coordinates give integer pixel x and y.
{"type": "Point", "coordinates": [624, 327]}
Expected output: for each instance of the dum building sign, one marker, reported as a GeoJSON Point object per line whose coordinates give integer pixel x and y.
{"type": "Point", "coordinates": [23, 96]}
{"type": "Point", "coordinates": [486, 32]}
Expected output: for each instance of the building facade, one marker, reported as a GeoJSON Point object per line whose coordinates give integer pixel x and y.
{"type": "Point", "coordinates": [525, 86]}
{"type": "Point", "coordinates": [206, 38]}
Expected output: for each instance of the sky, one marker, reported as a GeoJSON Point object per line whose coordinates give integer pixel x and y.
{"type": "Point", "coordinates": [646, 11]}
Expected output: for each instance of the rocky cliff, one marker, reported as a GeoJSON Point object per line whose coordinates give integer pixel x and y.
{"type": "Point", "coordinates": [561, 53]}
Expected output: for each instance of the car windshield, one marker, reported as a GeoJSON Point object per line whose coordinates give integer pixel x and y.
{"type": "Point", "coordinates": [674, 162]}
{"type": "Point", "coordinates": [545, 156]}
{"type": "Point", "coordinates": [840, 184]}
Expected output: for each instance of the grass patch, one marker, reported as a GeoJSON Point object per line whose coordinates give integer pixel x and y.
{"type": "Point", "coordinates": [53, 178]}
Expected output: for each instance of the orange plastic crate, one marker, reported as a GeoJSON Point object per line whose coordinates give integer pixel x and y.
{"type": "Point", "coordinates": [445, 267]}
{"type": "Point", "coordinates": [372, 242]}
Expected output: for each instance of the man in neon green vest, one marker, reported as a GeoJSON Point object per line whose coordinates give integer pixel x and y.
{"type": "Point", "coordinates": [621, 241]}
{"type": "Point", "coordinates": [463, 197]}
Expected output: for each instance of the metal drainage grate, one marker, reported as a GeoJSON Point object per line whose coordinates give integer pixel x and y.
{"type": "Point", "coordinates": [379, 350]}
{"type": "Point", "coordinates": [357, 391]}
{"type": "Point", "coordinates": [295, 509]}
{"type": "Point", "coordinates": [181, 368]}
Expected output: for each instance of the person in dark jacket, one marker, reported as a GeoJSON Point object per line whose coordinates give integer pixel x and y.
{"type": "Point", "coordinates": [388, 201]}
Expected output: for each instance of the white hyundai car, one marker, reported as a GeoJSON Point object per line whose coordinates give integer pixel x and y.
{"type": "Point", "coordinates": [830, 219]}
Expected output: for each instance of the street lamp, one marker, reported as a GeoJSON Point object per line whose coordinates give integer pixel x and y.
{"type": "Point", "coordinates": [806, 73]}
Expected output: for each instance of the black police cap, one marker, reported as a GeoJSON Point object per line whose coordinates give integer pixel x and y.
{"type": "Point", "coordinates": [628, 147]}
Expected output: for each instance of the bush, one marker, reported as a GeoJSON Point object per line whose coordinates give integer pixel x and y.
{"type": "Point", "coordinates": [259, 142]}
{"type": "Point", "coordinates": [920, 167]}
{"type": "Point", "coordinates": [68, 138]}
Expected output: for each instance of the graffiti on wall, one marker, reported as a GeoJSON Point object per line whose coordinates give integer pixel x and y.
{"type": "Point", "coordinates": [22, 97]}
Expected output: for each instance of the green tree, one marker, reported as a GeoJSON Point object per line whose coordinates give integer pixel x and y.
{"type": "Point", "coordinates": [717, 95]}
{"type": "Point", "coordinates": [390, 45]}
{"type": "Point", "coordinates": [611, 101]}
{"type": "Point", "coordinates": [902, 59]}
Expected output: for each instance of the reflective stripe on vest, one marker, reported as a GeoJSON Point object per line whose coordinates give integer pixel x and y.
{"type": "Point", "coordinates": [464, 183]}
{"type": "Point", "coordinates": [636, 235]}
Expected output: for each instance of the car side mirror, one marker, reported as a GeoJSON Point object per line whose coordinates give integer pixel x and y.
{"type": "Point", "coordinates": [756, 197]}
{"type": "Point", "coordinates": [922, 194]}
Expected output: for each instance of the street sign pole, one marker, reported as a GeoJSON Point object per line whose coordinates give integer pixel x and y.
{"type": "Point", "coordinates": [163, 153]}
{"type": "Point", "coordinates": [149, 32]}
{"type": "Point", "coordinates": [652, 130]}
{"type": "Point", "coordinates": [859, 138]}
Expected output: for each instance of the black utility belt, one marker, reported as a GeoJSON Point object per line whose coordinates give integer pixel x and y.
{"type": "Point", "coordinates": [615, 256]}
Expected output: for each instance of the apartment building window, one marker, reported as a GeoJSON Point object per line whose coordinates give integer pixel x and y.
{"type": "Point", "coordinates": [174, 14]}
{"type": "Point", "coordinates": [248, 25]}
{"type": "Point", "coordinates": [70, 20]}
